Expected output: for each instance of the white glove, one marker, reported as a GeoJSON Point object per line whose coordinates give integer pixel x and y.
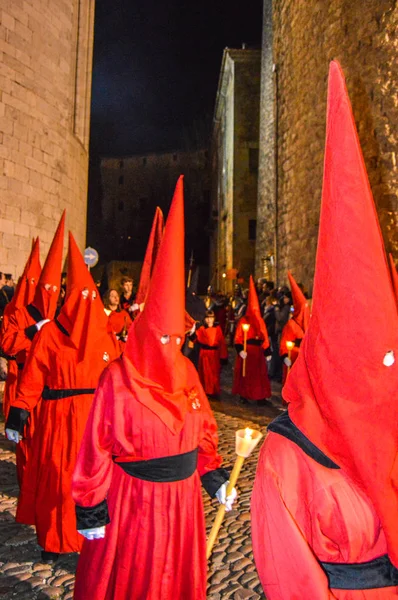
{"type": "Point", "coordinates": [287, 361]}
{"type": "Point", "coordinates": [40, 324]}
{"type": "Point", "coordinates": [96, 533]}
{"type": "Point", "coordinates": [243, 354]}
{"type": "Point", "coordinates": [269, 358]}
{"type": "Point", "coordinates": [13, 435]}
{"type": "Point", "coordinates": [134, 307]}
{"type": "Point", "coordinates": [221, 495]}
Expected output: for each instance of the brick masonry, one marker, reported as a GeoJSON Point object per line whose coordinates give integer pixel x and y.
{"type": "Point", "coordinates": [45, 89]}
{"type": "Point", "coordinates": [306, 36]}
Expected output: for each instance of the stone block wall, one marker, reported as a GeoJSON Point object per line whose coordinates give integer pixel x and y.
{"type": "Point", "coordinates": [45, 91]}
{"type": "Point", "coordinates": [306, 36]}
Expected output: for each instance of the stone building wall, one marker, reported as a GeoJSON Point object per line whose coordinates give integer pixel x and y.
{"type": "Point", "coordinates": [132, 187]}
{"type": "Point", "coordinates": [234, 162]}
{"type": "Point", "coordinates": [45, 92]}
{"type": "Point", "coordinates": [306, 36]}
{"type": "Point", "coordinates": [265, 242]}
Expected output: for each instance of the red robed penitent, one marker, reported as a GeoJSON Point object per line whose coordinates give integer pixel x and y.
{"type": "Point", "coordinates": [210, 360]}
{"type": "Point", "coordinates": [45, 492]}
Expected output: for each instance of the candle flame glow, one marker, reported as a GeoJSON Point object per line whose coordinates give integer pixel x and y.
{"type": "Point", "coordinates": [248, 433]}
{"type": "Point", "coordinates": [290, 345]}
{"type": "Point", "coordinates": [246, 327]}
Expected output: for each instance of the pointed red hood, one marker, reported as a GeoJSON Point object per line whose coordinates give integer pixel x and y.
{"type": "Point", "coordinates": [162, 364]}
{"type": "Point", "coordinates": [151, 253]}
{"type": "Point", "coordinates": [341, 393]}
{"type": "Point", "coordinates": [301, 309]}
{"type": "Point", "coordinates": [47, 290]}
{"type": "Point", "coordinates": [26, 287]}
{"type": "Point", "coordinates": [82, 314]}
{"type": "Point", "coordinates": [394, 276]}
{"type": "Point", "coordinates": [253, 316]}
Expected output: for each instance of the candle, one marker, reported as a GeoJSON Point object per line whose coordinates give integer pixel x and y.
{"type": "Point", "coordinates": [289, 346]}
{"type": "Point", "coordinates": [246, 440]}
{"type": "Point", "coordinates": [245, 328]}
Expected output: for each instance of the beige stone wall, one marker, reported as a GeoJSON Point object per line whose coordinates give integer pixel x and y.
{"type": "Point", "coordinates": [234, 172]}
{"type": "Point", "coordinates": [307, 35]}
{"type": "Point", "coordinates": [45, 91]}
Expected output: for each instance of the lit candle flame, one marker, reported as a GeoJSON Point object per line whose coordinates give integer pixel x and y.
{"type": "Point", "coordinates": [248, 433]}
{"type": "Point", "coordinates": [246, 327]}
{"type": "Point", "coordinates": [290, 345]}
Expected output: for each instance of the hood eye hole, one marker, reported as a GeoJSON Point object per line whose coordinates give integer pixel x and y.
{"type": "Point", "coordinates": [165, 339]}
{"type": "Point", "coordinates": [178, 341]}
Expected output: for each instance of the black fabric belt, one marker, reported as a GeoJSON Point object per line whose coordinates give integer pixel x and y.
{"type": "Point", "coordinates": [206, 347]}
{"type": "Point", "coordinates": [49, 394]}
{"type": "Point", "coordinates": [34, 313]}
{"type": "Point", "coordinates": [164, 469]}
{"type": "Point", "coordinates": [377, 573]}
{"type": "Point", "coordinates": [20, 366]}
{"type": "Point", "coordinates": [61, 327]}
{"type": "Point", "coordinates": [254, 342]}
{"type": "Point", "coordinates": [7, 356]}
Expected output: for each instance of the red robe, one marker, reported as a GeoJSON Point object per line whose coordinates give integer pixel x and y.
{"type": "Point", "coordinates": [303, 512]}
{"type": "Point", "coordinates": [154, 546]}
{"type": "Point", "coordinates": [291, 332]}
{"type": "Point", "coordinates": [255, 385]}
{"type": "Point", "coordinates": [210, 360]}
{"type": "Point", "coordinates": [45, 498]}
{"type": "Point", "coordinates": [10, 386]}
{"type": "Point", "coordinates": [15, 342]}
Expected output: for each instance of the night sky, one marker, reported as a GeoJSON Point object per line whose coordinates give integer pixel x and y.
{"type": "Point", "coordinates": [156, 68]}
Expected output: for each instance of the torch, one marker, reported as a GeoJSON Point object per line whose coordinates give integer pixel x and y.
{"type": "Point", "coordinates": [245, 442]}
{"type": "Point", "coordinates": [289, 346]}
{"type": "Point", "coordinates": [245, 328]}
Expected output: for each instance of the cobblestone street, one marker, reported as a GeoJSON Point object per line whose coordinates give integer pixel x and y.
{"type": "Point", "coordinates": [232, 572]}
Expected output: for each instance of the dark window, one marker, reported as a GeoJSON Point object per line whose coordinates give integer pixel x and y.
{"type": "Point", "coordinates": [206, 154]}
{"type": "Point", "coordinates": [120, 206]}
{"type": "Point", "coordinates": [174, 157]}
{"type": "Point", "coordinates": [253, 160]}
{"type": "Point", "coordinates": [121, 164]}
{"type": "Point", "coordinates": [142, 203]}
{"type": "Point", "coordinates": [144, 160]}
{"type": "Point", "coordinates": [121, 179]}
{"type": "Point", "coordinates": [206, 196]}
{"type": "Point", "coordinates": [252, 229]}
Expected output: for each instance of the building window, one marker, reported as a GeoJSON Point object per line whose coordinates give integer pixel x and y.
{"type": "Point", "coordinates": [120, 206]}
{"type": "Point", "coordinates": [206, 154]}
{"type": "Point", "coordinates": [121, 164]}
{"type": "Point", "coordinates": [206, 197]}
{"type": "Point", "coordinates": [252, 229]}
{"type": "Point", "coordinates": [121, 179]}
{"type": "Point", "coordinates": [142, 203]}
{"type": "Point", "coordinates": [144, 161]}
{"type": "Point", "coordinates": [175, 157]}
{"type": "Point", "coordinates": [253, 160]}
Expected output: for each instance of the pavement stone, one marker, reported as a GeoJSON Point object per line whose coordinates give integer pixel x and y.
{"type": "Point", "coordinates": [231, 570]}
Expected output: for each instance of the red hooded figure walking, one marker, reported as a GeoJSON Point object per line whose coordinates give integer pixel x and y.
{"type": "Point", "coordinates": [295, 328]}
{"type": "Point", "coordinates": [254, 384]}
{"type": "Point", "coordinates": [23, 325]}
{"type": "Point", "coordinates": [23, 296]}
{"type": "Point", "coordinates": [325, 500]}
{"type": "Point", "coordinates": [61, 372]}
{"type": "Point", "coordinates": [212, 353]}
{"type": "Point", "coordinates": [150, 439]}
